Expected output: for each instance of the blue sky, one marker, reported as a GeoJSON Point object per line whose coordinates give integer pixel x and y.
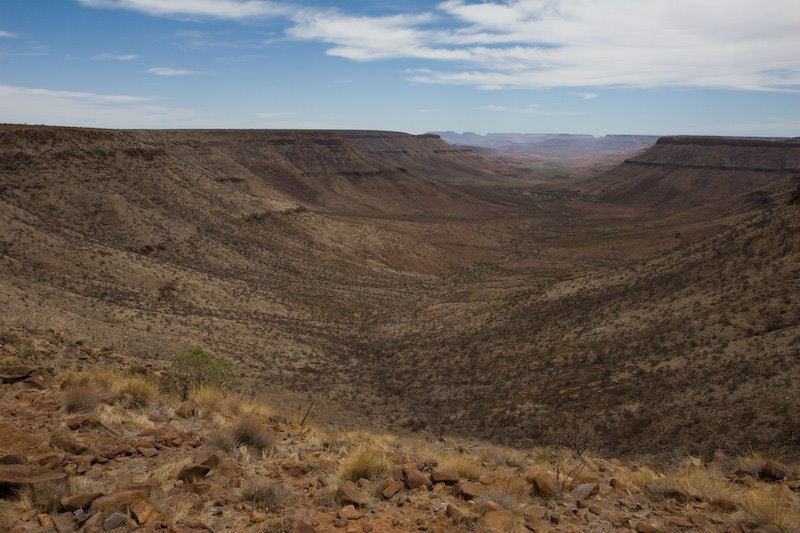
{"type": "Point", "coordinates": [728, 67]}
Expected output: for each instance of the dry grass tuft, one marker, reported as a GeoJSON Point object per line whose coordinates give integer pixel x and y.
{"type": "Point", "coordinates": [138, 393]}
{"type": "Point", "coordinates": [464, 466]}
{"type": "Point", "coordinates": [249, 430]}
{"type": "Point", "coordinates": [271, 495]}
{"type": "Point", "coordinates": [508, 490]}
{"type": "Point", "coordinates": [639, 477]}
{"type": "Point", "coordinates": [368, 462]}
{"type": "Point", "coordinates": [80, 398]}
{"type": "Point", "coordinates": [775, 506]}
{"type": "Point", "coordinates": [43, 497]}
{"type": "Point", "coordinates": [208, 397]}
{"type": "Point", "coordinates": [694, 482]}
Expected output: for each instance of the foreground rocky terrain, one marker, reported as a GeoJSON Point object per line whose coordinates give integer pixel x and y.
{"type": "Point", "coordinates": [90, 443]}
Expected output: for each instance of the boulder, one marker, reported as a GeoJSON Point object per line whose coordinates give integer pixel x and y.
{"type": "Point", "coordinates": [15, 477]}
{"type": "Point", "coordinates": [439, 476]}
{"type": "Point", "coordinates": [469, 490]}
{"type": "Point", "coordinates": [186, 409]}
{"type": "Point", "coordinates": [392, 488]}
{"type": "Point", "coordinates": [544, 486]}
{"type": "Point", "coordinates": [79, 501]}
{"type": "Point", "coordinates": [349, 512]}
{"type": "Point", "coordinates": [13, 459]}
{"type": "Point", "coordinates": [117, 502]}
{"type": "Point", "coordinates": [193, 472]}
{"type": "Point", "coordinates": [207, 456]}
{"type": "Point", "coordinates": [647, 527]}
{"type": "Point", "coordinates": [114, 521]}
{"type": "Point", "coordinates": [348, 493]}
{"type": "Point", "coordinates": [499, 521]}
{"type": "Point", "coordinates": [581, 492]}
{"type": "Point", "coordinates": [415, 479]}
{"type": "Point", "coordinates": [142, 511]}
{"type": "Point", "coordinates": [69, 444]}
{"type": "Point", "coordinates": [12, 374]}
{"type": "Point", "coordinates": [298, 526]}
{"type": "Point", "coordinates": [772, 471]}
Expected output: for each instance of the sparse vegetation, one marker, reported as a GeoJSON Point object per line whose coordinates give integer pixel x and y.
{"type": "Point", "coordinates": [269, 494]}
{"type": "Point", "coordinates": [197, 367]}
{"type": "Point", "coordinates": [367, 462]}
{"type": "Point", "coordinates": [249, 429]}
{"type": "Point", "coordinates": [80, 399]}
{"type": "Point", "coordinates": [138, 393]}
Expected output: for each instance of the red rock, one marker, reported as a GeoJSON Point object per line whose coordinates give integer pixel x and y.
{"type": "Point", "coordinates": [469, 490]}
{"type": "Point", "coordinates": [186, 409]}
{"type": "Point", "coordinates": [699, 520]}
{"type": "Point", "coordinates": [117, 502]}
{"type": "Point", "coordinates": [193, 472]}
{"type": "Point", "coordinates": [142, 511]}
{"type": "Point", "coordinates": [581, 492]}
{"type": "Point", "coordinates": [13, 459]}
{"type": "Point", "coordinates": [415, 479]}
{"type": "Point", "coordinates": [392, 488]}
{"type": "Point", "coordinates": [535, 513]}
{"type": "Point", "coordinates": [10, 374]}
{"type": "Point", "coordinates": [207, 456]}
{"type": "Point", "coordinates": [646, 527]}
{"type": "Point", "coordinates": [257, 517]}
{"type": "Point", "coordinates": [79, 501]}
{"type": "Point", "coordinates": [772, 471]}
{"type": "Point", "coordinates": [544, 486]}
{"type": "Point", "coordinates": [69, 444]}
{"type": "Point", "coordinates": [88, 420]}
{"type": "Point", "coordinates": [439, 476]}
{"type": "Point", "coordinates": [724, 504]}
{"type": "Point", "coordinates": [459, 514]}
{"type": "Point", "coordinates": [147, 451]}
{"type": "Point", "coordinates": [680, 522]}
{"type": "Point", "coordinates": [348, 493]}
{"type": "Point", "coordinates": [349, 512]}
{"type": "Point", "coordinates": [500, 521]}
{"type": "Point", "coordinates": [299, 526]}
{"type": "Point", "coordinates": [13, 477]}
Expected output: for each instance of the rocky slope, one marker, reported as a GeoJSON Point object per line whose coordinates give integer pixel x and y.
{"type": "Point", "coordinates": [87, 448]}
{"type": "Point", "coordinates": [681, 172]}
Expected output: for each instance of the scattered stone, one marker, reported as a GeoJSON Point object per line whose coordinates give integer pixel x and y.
{"type": "Point", "coordinates": [724, 504]}
{"type": "Point", "coordinates": [767, 528]}
{"type": "Point", "coordinates": [114, 521]}
{"type": "Point", "coordinates": [543, 486]}
{"type": "Point", "coordinates": [469, 490]}
{"type": "Point", "coordinates": [45, 521]}
{"type": "Point", "coordinates": [258, 517]}
{"type": "Point", "coordinates": [341, 522]}
{"type": "Point", "coordinates": [13, 459]}
{"type": "Point", "coordinates": [415, 479]}
{"type": "Point", "coordinates": [772, 471]}
{"type": "Point", "coordinates": [535, 513]}
{"type": "Point", "coordinates": [680, 522]}
{"type": "Point", "coordinates": [647, 527]}
{"type": "Point", "coordinates": [186, 409]}
{"type": "Point", "coordinates": [498, 520]}
{"type": "Point", "coordinates": [193, 472]}
{"type": "Point", "coordinates": [142, 511]}
{"type": "Point", "coordinates": [459, 514]}
{"type": "Point", "coordinates": [147, 451]}
{"type": "Point", "coordinates": [69, 444]}
{"type": "Point", "coordinates": [12, 374]}
{"type": "Point", "coordinates": [392, 488]}
{"type": "Point", "coordinates": [348, 493]}
{"type": "Point", "coordinates": [298, 526]}
{"type": "Point", "coordinates": [349, 512]}
{"type": "Point", "coordinates": [581, 492]}
{"type": "Point", "coordinates": [16, 476]}
{"type": "Point", "coordinates": [118, 501]}
{"type": "Point", "coordinates": [439, 476]}
{"type": "Point", "coordinates": [206, 456]}
{"type": "Point", "coordinates": [79, 501]}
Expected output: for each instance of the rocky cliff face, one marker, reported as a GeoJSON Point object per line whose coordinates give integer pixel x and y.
{"type": "Point", "coordinates": [689, 171]}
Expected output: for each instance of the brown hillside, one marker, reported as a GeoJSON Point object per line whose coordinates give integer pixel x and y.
{"type": "Point", "coordinates": [680, 172]}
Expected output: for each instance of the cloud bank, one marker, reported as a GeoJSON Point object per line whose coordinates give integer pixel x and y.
{"type": "Point", "coordinates": [729, 44]}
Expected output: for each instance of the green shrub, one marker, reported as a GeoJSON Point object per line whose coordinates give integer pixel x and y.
{"type": "Point", "coordinates": [198, 367]}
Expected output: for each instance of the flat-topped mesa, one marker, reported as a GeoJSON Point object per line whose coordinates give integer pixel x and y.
{"type": "Point", "coordinates": [686, 171]}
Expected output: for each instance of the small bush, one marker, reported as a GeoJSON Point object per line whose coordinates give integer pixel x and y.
{"type": "Point", "coordinates": [249, 430]}
{"type": "Point", "coordinates": [271, 495]}
{"type": "Point", "coordinates": [138, 393]}
{"type": "Point", "coordinates": [366, 462]}
{"type": "Point", "coordinates": [80, 399]}
{"type": "Point", "coordinates": [222, 440]}
{"type": "Point", "coordinates": [196, 367]}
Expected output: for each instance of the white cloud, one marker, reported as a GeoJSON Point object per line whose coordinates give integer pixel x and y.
{"type": "Point", "coordinates": [171, 72]}
{"type": "Point", "coordinates": [71, 108]}
{"type": "Point", "coordinates": [115, 57]}
{"type": "Point", "coordinates": [579, 43]}
{"type": "Point", "coordinates": [587, 96]}
{"type": "Point", "coordinates": [8, 34]}
{"type": "Point", "coordinates": [220, 9]}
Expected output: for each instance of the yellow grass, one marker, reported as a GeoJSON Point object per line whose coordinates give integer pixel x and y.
{"type": "Point", "coordinates": [462, 465]}
{"type": "Point", "coordinates": [705, 482]}
{"type": "Point", "coordinates": [368, 462]}
{"type": "Point", "coordinates": [776, 506]}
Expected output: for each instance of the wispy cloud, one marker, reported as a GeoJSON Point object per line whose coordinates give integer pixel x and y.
{"type": "Point", "coordinates": [170, 72]}
{"type": "Point", "coordinates": [115, 57]}
{"type": "Point", "coordinates": [56, 107]}
{"type": "Point", "coordinates": [219, 9]}
{"type": "Point", "coordinates": [586, 96]}
{"type": "Point", "coordinates": [8, 34]}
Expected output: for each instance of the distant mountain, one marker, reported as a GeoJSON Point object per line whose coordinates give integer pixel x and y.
{"type": "Point", "coordinates": [554, 145]}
